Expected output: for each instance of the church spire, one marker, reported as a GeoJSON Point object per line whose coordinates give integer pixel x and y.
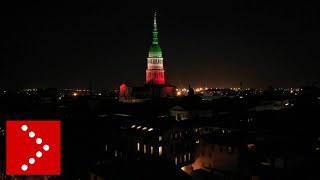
{"type": "Point", "coordinates": [155, 30]}
{"type": "Point", "coordinates": [155, 21]}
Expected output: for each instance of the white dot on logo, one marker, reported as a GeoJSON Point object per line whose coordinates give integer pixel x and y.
{"type": "Point", "coordinates": [24, 127]}
{"type": "Point", "coordinates": [46, 147]}
{"type": "Point", "coordinates": [24, 167]}
{"type": "Point", "coordinates": [39, 154]}
{"type": "Point", "coordinates": [31, 134]}
{"type": "Point", "coordinates": [32, 160]}
{"type": "Point", "coordinates": [39, 140]}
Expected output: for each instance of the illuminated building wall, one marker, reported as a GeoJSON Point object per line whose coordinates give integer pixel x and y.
{"type": "Point", "coordinates": [155, 72]}
{"type": "Point", "coordinates": [125, 91]}
{"type": "Point", "coordinates": [209, 156]}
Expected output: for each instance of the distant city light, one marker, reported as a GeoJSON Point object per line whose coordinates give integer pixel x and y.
{"type": "Point", "coordinates": [124, 115]}
{"type": "Point", "coordinates": [75, 94]}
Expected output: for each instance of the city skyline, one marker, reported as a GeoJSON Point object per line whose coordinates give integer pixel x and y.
{"type": "Point", "coordinates": [78, 45]}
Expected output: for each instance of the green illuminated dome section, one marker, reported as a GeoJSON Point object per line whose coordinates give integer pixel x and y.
{"type": "Point", "coordinates": [155, 49]}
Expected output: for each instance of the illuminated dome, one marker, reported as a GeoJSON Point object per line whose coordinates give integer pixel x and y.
{"type": "Point", "coordinates": [155, 51]}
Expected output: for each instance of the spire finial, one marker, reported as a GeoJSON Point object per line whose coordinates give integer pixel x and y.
{"type": "Point", "coordinates": [155, 30]}
{"type": "Point", "coordinates": [155, 21]}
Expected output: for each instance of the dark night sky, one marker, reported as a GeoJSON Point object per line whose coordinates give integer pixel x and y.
{"type": "Point", "coordinates": [216, 45]}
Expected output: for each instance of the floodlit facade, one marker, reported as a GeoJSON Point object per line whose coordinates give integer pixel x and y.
{"type": "Point", "coordinates": [155, 71]}
{"type": "Point", "coordinates": [156, 83]}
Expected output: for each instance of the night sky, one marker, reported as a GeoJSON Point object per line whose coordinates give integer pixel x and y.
{"type": "Point", "coordinates": [71, 44]}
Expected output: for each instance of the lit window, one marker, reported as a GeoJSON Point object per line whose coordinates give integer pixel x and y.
{"type": "Point", "coordinates": [160, 138]}
{"type": "Point", "coordinates": [133, 126]}
{"type": "Point", "coordinates": [145, 148]}
{"type": "Point", "coordinates": [106, 147]}
{"type": "Point", "coordinates": [189, 156]}
{"type": "Point", "coordinates": [185, 158]}
{"type": "Point", "coordinates": [144, 128]}
{"type": "Point", "coordinates": [176, 160]}
{"type": "Point", "coordinates": [138, 146]}
{"type": "Point", "coordinates": [160, 150]}
{"type": "Point", "coordinates": [151, 149]}
{"type": "Point", "coordinates": [151, 129]}
{"type": "Point", "coordinates": [180, 134]}
{"type": "Point", "coordinates": [115, 153]}
{"type": "Point", "coordinates": [138, 127]}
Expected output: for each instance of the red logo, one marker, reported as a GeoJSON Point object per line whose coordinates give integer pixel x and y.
{"type": "Point", "coordinates": [33, 147]}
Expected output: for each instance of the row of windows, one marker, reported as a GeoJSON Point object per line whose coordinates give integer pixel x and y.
{"type": "Point", "coordinates": [145, 149]}
{"type": "Point", "coordinates": [155, 61]}
{"type": "Point", "coordinates": [119, 154]}
{"type": "Point", "coordinates": [176, 135]}
{"type": "Point", "coordinates": [155, 75]}
{"type": "Point", "coordinates": [182, 158]}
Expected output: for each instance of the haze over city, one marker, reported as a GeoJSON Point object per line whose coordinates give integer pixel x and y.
{"type": "Point", "coordinates": [73, 45]}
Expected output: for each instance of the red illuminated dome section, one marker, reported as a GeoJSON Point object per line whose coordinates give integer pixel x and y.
{"type": "Point", "coordinates": [155, 71]}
